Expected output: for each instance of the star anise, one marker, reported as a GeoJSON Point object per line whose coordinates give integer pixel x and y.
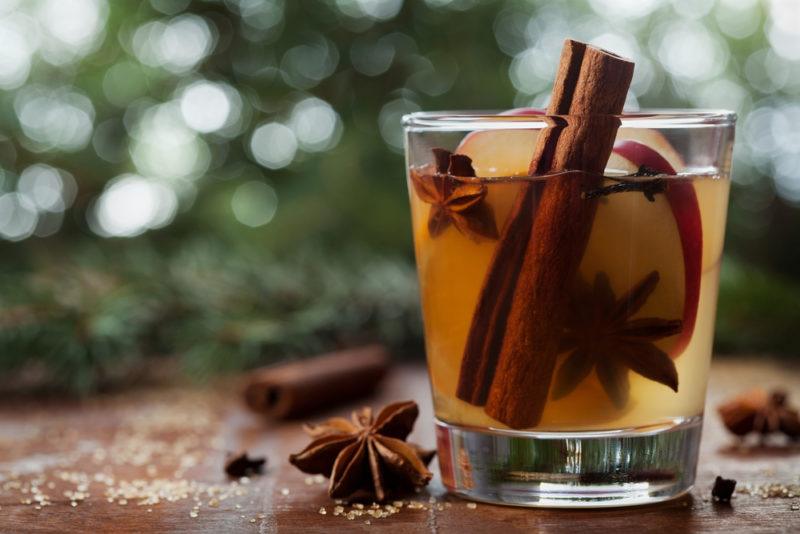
{"type": "Point", "coordinates": [601, 334]}
{"type": "Point", "coordinates": [367, 455]}
{"type": "Point", "coordinates": [760, 412]}
{"type": "Point", "coordinates": [455, 199]}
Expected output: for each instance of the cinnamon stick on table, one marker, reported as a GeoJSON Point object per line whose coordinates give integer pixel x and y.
{"type": "Point", "coordinates": [301, 387]}
{"type": "Point", "coordinates": [513, 342]}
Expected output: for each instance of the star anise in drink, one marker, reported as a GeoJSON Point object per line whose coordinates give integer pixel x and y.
{"type": "Point", "coordinates": [601, 334]}
{"type": "Point", "coordinates": [762, 413]}
{"type": "Point", "coordinates": [366, 455]}
{"type": "Point", "coordinates": [454, 198]}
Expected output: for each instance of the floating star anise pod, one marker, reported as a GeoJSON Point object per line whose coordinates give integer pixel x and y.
{"type": "Point", "coordinates": [454, 199]}
{"type": "Point", "coordinates": [600, 334]}
{"type": "Point", "coordinates": [760, 412]}
{"type": "Point", "coordinates": [367, 455]}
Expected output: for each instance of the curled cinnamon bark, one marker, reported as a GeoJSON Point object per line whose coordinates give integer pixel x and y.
{"type": "Point", "coordinates": [513, 341]}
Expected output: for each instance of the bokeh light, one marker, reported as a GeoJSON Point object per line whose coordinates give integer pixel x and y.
{"type": "Point", "coordinates": [18, 217]}
{"type": "Point", "coordinates": [70, 28]}
{"type": "Point", "coordinates": [624, 9]}
{"type": "Point", "coordinates": [47, 188]}
{"type": "Point", "coordinates": [254, 203]}
{"type": "Point", "coordinates": [374, 9]}
{"type": "Point", "coordinates": [208, 107]}
{"type": "Point", "coordinates": [389, 117]}
{"type": "Point", "coordinates": [315, 124]}
{"type": "Point", "coordinates": [273, 145]}
{"type": "Point", "coordinates": [689, 52]}
{"type": "Point", "coordinates": [170, 7]}
{"type": "Point", "coordinates": [165, 147]}
{"type": "Point", "coordinates": [177, 45]}
{"type": "Point", "coordinates": [305, 65]}
{"type": "Point", "coordinates": [54, 118]}
{"type": "Point", "coordinates": [130, 205]}
{"type": "Point", "coordinates": [372, 57]}
{"type": "Point", "coordinates": [19, 38]}
{"type": "Point", "coordinates": [783, 30]}
{"type": "Point", "coordinates": [738, 18]}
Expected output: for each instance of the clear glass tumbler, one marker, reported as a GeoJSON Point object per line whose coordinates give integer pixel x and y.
{"type": "Point", "coordinates": [569, 317]}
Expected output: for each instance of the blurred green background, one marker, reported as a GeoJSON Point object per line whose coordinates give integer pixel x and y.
{"type": "Point", "coordinates": [207, 185]}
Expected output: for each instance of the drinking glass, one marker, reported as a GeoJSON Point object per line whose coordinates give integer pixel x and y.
{"type": "Point", "coordinates": [568, 357]}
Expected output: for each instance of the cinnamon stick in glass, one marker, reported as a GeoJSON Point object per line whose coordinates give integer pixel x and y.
{"type": "Point", "coordinates": [299, 388]}
{"type": "Point", "coordinates": [510, 355]}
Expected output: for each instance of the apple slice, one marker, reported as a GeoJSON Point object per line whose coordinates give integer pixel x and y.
{"type": "Point", "coordinates": [499, 153]}
{"type": "Point", "coordinates": [683, 201]}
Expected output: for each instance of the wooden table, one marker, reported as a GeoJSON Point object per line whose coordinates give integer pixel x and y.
{"type": "Point", "coordinates": [96, 460]}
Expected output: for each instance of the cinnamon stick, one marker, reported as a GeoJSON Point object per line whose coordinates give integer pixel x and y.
{"type": "Point", "coordinates": [301, 387]}
{"type": "Point", "coordinates": [489, 318]}
{"type": "Point", "coordinates": [512, 346]}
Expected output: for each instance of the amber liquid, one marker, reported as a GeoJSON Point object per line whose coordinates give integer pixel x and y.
{"type": "Point", "coordinates": [630, 238]}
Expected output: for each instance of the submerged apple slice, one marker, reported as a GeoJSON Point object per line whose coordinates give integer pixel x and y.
{"type": "Point", "coordinates": [683, 202]}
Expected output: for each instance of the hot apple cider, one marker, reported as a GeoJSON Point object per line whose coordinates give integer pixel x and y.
{"type": "Point", "coordinates": [568, 261]}
{"type": "Point", "coordinates": [631, 331]}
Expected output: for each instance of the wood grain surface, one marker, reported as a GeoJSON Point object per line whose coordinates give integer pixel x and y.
{"type": "Point", "coordinates": [109, 453]}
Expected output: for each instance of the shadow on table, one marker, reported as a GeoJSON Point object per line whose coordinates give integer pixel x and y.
{"type": "Point", "coordinates": [759, 450]}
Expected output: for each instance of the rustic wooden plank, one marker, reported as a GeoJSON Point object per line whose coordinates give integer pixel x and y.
{"type": "Point", "coordinates": [146, 436]}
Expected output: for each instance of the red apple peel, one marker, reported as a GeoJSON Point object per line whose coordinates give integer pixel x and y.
{"type": "Point", "coordinates": [683, 202]}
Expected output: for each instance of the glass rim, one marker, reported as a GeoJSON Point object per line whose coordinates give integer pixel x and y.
{"type": "Point", "coordinates": [646, 118]}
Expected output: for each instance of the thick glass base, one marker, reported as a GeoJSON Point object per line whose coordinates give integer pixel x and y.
{"type": "Point", "coordinates": [570, 469]}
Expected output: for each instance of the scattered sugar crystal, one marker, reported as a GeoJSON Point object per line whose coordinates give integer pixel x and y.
{"type": "Point", "coordinates": [471, 505]}
{"type": "Point", "coordinates": [285, 491]}
{"type": "Point", "coordinates": [323, 511]}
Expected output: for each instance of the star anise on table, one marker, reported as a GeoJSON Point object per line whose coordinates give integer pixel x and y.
{"type": "Point", "coordinates": [601, 334]}
{"type": "Point", "coordinates": [367, 455]}
{"type": "Point", "coordinates": [762, 413]}
{"type": "Point", "coordinates": [455, 199]}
